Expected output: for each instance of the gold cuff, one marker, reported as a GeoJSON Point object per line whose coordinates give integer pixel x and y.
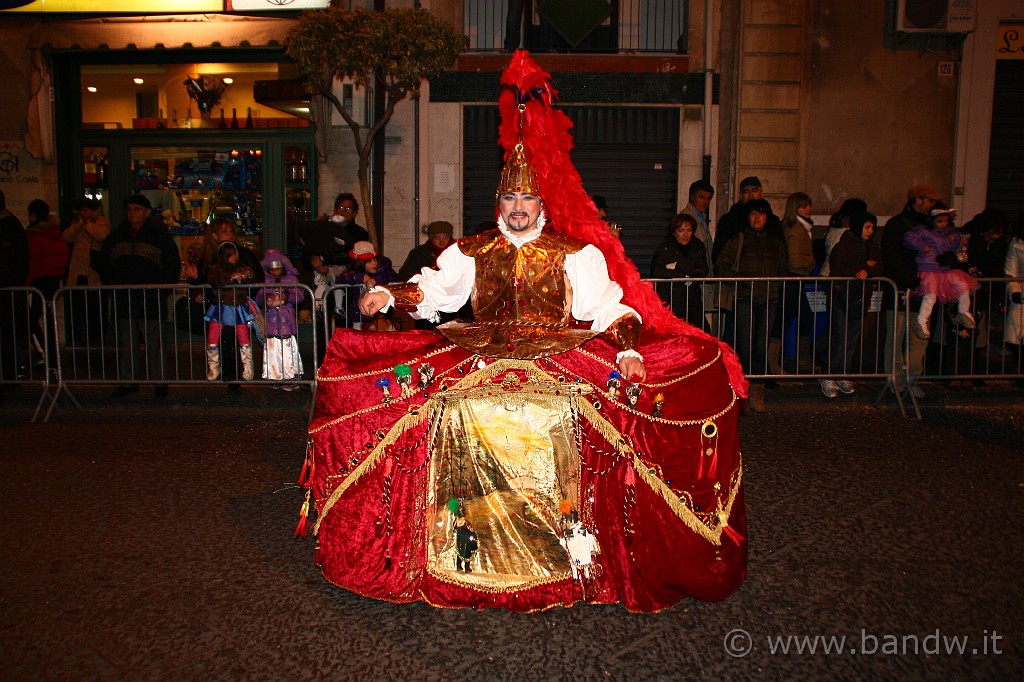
{"type": "Point", "coordinates": [624, 333]}
{"type": "Point", "coordinates": [407, 295]}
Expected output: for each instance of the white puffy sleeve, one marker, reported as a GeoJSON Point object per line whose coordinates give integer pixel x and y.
{"type": "Point", "coordinates": [594, 295]}
{"type": "Point", "coordinates": [446, 289]}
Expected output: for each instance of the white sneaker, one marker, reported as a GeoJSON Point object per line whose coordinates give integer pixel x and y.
{"type": "Point", "coordinates": [921, 330]}
{"type": "Point", "coordinates": [845, 386]}
{"type": "Point", "coordinates": [829, 388]}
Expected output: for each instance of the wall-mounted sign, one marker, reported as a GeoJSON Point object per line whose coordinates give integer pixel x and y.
{"type": "Point", "coordinates": [108, 6]}
{"type": "Point", "coordinates": [272, 5]}
{"type": "Point", "coordinates": [1010, 41]}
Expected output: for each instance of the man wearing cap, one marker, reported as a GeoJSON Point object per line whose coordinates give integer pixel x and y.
{"type": "Point", "coordinates": [901, 267]}
{"type": "Point", "coordinates": [439, 237]}
{"type": "Point", "coordinates": [139, 252]}
{"type": "Point", "coordinates": [735, 221]}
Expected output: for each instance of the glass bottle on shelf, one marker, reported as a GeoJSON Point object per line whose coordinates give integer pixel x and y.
{"type": "Point", "coordinates": [248, 117]}
{"type": "Point", "coordinates": [188, 117]}
{"type": "Point", "coordinates": [292, 169]}
{"type": "Point", "coordinates": [234, 117]}
{"type": "Point", "coordinates": [223, 123]}
{"type": "Point", "coordinates": [174, 118]}
{"type": "Point", "coordinates": [102, 169]}
{"type": "Point", "coordinates": [303, 168]}
{"type": "Point", "coordinates": [160, 119]}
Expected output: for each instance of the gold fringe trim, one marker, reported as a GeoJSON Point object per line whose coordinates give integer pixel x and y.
{"type": "Point", "coordinates": [502, 589]}
{"type": "Point", "coordinates": [686, 515]}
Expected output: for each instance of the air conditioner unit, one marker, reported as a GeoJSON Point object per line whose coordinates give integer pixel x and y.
{"type": "Point", "coordinates": [935, 16]}
{"type": "Point", "coordinates": [353, 98]}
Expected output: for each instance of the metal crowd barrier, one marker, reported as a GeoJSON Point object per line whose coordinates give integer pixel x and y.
{"type": "Point", "coordinates": [25, 333]}
{"type": "Point", "coordinates": [157, 335]}
{"type": "Point", "coordinates": [815, 327]}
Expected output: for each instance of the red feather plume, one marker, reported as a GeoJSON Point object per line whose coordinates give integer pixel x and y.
{"type": "Point", "coordinates": [569, 208]}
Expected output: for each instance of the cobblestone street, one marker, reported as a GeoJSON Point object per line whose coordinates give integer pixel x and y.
{"type": "Point", "coordinates": [152, 539]}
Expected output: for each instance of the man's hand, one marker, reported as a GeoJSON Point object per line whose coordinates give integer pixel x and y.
{"type": "Point", "coordinates": [370, 304]}
{"type": "Point", "coordinates": [191, 271]}
{"type": "Point", "coordinates": [632, 368]}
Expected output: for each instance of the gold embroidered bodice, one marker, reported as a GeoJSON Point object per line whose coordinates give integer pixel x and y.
{"type": "Point", "coordinates": [527, 284]}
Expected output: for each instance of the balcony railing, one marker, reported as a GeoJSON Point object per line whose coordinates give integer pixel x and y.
{"type": "Point", "coordinates": [634, 26]}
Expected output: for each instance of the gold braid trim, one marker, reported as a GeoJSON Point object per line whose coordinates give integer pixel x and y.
{"type": "Point", "coordinates": [390, 438]}
{"type": "Point", "coordinates": [711, 534]}
{"type": "Point", "coordinates": [686, 515]}
{"type": "Point", "coordinates": [407, 295]}
{"type": "Point", "coordinates": [377, 372]}
{"type": "Point", "coordinates": [661, 420]}
{"type": "Point", "coordinates": [611, 365]}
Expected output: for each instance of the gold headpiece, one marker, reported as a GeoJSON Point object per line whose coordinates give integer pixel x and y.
{"type": "Point", "coordinates": [518, 175]}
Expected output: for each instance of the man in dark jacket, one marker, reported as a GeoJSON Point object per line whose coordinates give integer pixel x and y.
{"type": "Point", "coordinates": [439, 238]}
{"type": "Point", "coordinates": [140, 252]}
{"type": "Point", "coordinates": [735, 221]}
{"type": "Point", "coordinates": [900, 266]}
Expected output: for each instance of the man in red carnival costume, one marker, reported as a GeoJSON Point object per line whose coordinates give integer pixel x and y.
{"type": "Point", "coordinates": [575, 443]}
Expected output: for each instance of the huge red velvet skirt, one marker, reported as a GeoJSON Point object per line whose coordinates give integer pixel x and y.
{"type": "Point", "coordinates": [512, 446]}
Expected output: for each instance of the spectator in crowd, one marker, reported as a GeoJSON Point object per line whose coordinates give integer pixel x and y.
{"type": "Point", "coordinates": [326, 241]}
{"type": "Point", "coordinates": [602, 211]}
{"type": "Point", "coordinates": [85, 234]}
{"type": "Point", "coordinates": [439, 237]}
{"type": "Point", "coordinates": [986, 256]}
{"type": "Point", "coordinates": [856, 255]}
{"type": "Point", "coordinates": [936, 244]}
{"type": "Point", "coordinates": [900, 264]}
{"type": "Point", "coordinates": [797, 226]}
{"type": "Point", "coordinates": [369, 269]}
{"type": "Point", "coordinates": [682, 255]}
{"type": "Point", "coordinates": [281, 358]}
{"type": "Point", "coordinates": [755, 252]}
{"type": "Point", "coordinates": [13, 273]}
{"type": "Point", "coordinates": [139, 252]}
{"type": "Point", "coordinates": [699, 207]}
{"type": "Point", "coordinates": [47, 263]}
{"type": "Point", "coordinates": [1013, 332]}
{"type": "Point", "coordinates": [230, 308]}
{"type": "Point", "coordinates": [735, 221]}
{"type": "Point", "coordinates": [838, 224]}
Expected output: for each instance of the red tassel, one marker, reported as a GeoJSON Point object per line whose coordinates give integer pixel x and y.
{"type": "Point", "coordinates": [308, 465]}
{"type": "Point", "coordinates": [301, 527]}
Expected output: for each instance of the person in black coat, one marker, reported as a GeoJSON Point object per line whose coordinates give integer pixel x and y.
{"type": "Point", "coordinates": [682, 255]}
{"type": "Point", "coordinates": [139, 252]}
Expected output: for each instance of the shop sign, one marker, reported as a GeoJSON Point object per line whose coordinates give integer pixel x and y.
{"type": "Point", "coordinates": [1010, 41]}
{"type": "Point", "coordinates": [104, 6]}
{"type": "Point", "coordinates": [273, 5]}
{"type": "Point", "coordinates": [20, 176]}
{"type": "Point", "coordinates": [150, 6]}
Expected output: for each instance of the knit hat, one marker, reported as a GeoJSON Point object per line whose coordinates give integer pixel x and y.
{"type": "Point", "coordinates": [440, 227]}
{"type": "Point", "coordinates": [951, 212]}
{"type": "Point", "coordinates": [751, 181]}
{"type": "Point", "coordinates": [363, 251]}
